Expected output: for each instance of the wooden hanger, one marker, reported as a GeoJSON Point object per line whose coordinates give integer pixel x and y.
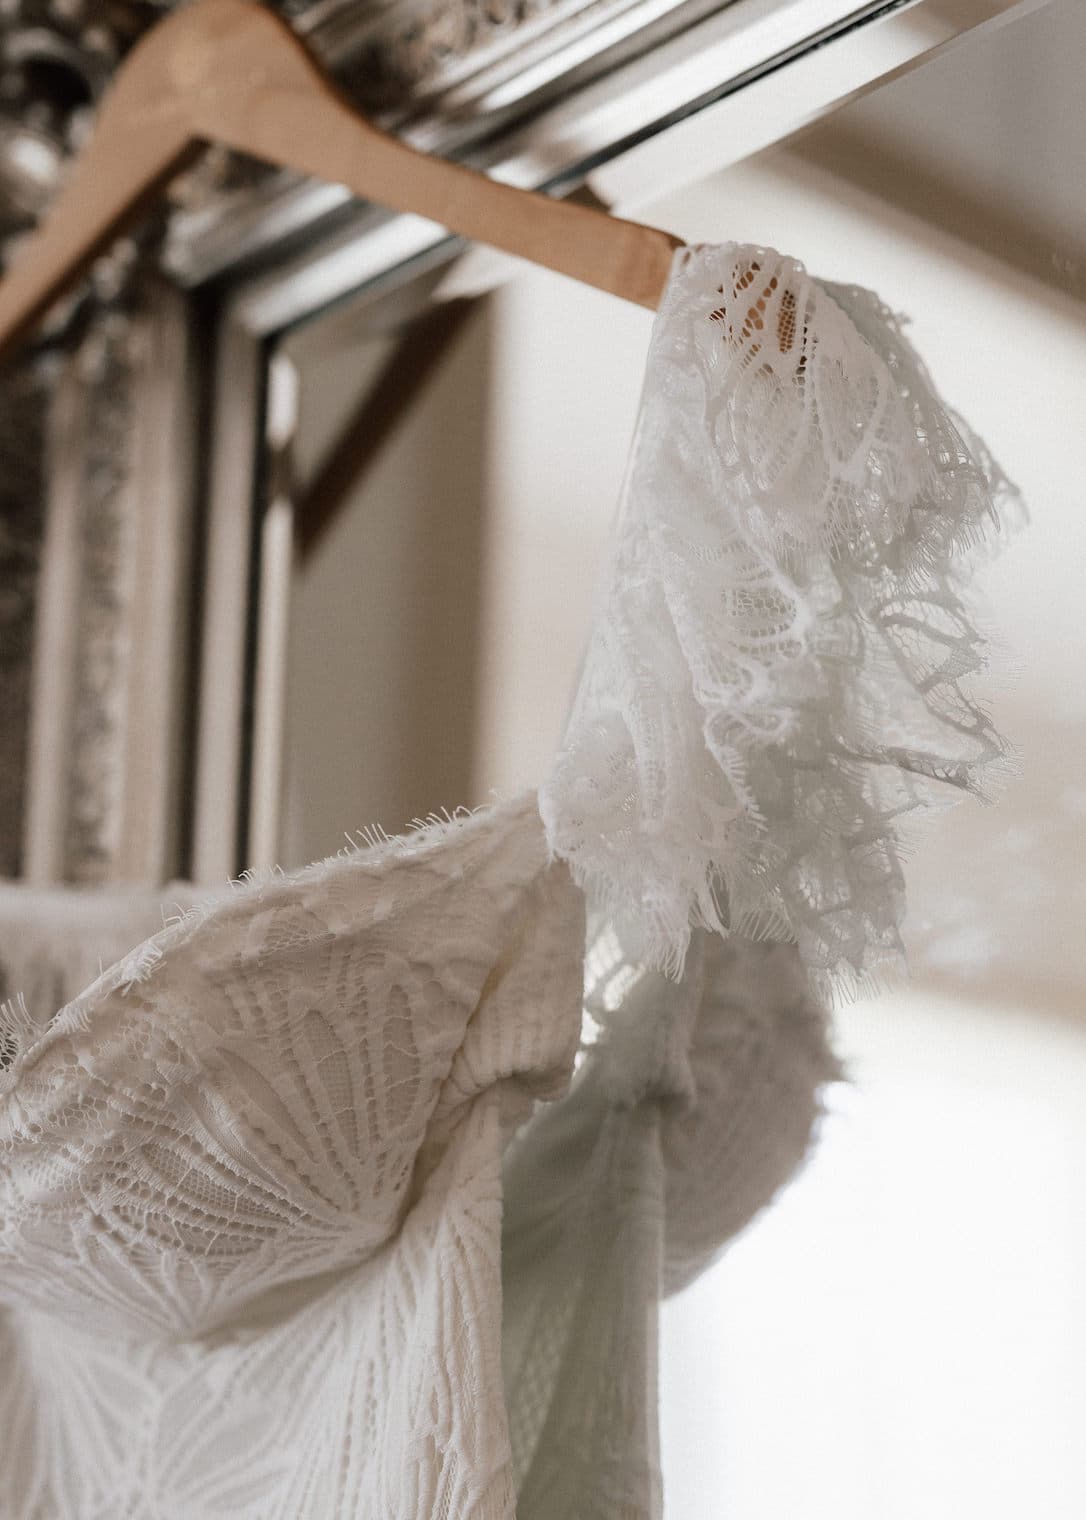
{"type": "Point", "coordinates": [231, 72]}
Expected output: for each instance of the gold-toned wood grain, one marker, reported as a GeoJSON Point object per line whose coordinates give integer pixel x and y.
{"type": "Point", "coordinates": [233, 73]}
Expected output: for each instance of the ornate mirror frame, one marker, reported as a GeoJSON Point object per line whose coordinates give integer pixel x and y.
{"type": "Point", "coordinates": [149, 704]}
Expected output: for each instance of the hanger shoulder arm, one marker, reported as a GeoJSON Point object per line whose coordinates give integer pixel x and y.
{"type": "Point", "coordinates": [265, 96]}
{"type": "Point", "coordinates": [232, 72]}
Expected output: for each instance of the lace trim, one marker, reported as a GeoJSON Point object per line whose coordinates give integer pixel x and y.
{"type": "Point", "coordinates": [51, 962]}
{"type": "Point", "coordinates": [777, 674]}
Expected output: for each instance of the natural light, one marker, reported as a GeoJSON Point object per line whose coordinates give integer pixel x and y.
{"type": "Point", "coordinates": [902, 1334]}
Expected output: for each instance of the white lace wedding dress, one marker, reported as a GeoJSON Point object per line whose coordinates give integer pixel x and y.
{"type": "Point", "coordinates": [291, 1224]}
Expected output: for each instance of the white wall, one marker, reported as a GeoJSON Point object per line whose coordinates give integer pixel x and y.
{"type": "Point", "coordinates": [903, 1336]}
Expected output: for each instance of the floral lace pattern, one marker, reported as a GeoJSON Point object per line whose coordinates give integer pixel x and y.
{"type": "Point", "coordinates": [778, 670]}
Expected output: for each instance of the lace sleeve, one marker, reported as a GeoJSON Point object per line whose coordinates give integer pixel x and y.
{"type": "Point", "coordinates": [777, 671]}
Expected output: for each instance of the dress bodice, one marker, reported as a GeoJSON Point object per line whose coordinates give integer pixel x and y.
{"type": "Point", "coordinates": [255, 1096]}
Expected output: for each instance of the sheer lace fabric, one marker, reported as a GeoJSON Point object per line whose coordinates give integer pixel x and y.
{"type": "Point", "coordinates": [777, 672]}
{"type": "Point", "coordinates": [697, 1102]}
{"type": "Point", "coordinates": [303, 1210]}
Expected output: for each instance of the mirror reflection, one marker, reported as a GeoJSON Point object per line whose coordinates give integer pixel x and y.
{"type": "Point", "coordinates": [385, 599]}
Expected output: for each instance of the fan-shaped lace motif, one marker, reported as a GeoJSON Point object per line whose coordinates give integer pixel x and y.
{"type": "Point", "coordinates": [250, 1197]}
{"type": "Point", "coordinates": [777, 671]}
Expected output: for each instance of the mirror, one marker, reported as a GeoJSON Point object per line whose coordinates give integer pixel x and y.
{"type": "Point", "coordinates": [386, 592]}
{"type": "Point", "coordinates": [445, 600]}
